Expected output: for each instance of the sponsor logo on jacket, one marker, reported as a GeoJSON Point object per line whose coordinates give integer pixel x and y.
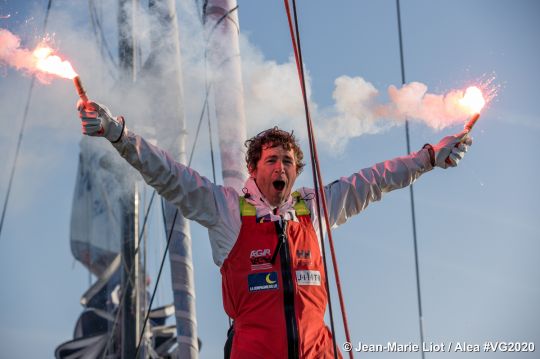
{"type": "Point", "coordinates": [262, 281]}
{"type": "Point", "coordinates": [303, 257]}
{"type": "Point", "coordinates": [260, 259]}
{"type": "Point", "coordinates": [308, 277]}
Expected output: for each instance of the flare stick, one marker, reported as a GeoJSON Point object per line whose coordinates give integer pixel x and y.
{"type": "Point", "coordinates": [80, 89]}
{"type": "Point", "coordinates": [472, 121]}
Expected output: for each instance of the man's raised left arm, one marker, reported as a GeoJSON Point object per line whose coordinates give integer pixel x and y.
{"type": "Point", "coordinates": [350, 195]}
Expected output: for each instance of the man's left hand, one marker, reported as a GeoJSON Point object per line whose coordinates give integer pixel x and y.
{"type": "Point", "coordinates": [451, 149]}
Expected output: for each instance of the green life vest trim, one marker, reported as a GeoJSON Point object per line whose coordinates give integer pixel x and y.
{"type": "Point", "coordinates": [300, 206]}
{"type": "Point", "coordinates": [248, 210]}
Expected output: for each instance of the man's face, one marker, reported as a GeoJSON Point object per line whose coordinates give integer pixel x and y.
{"type": "Point", "coordinates": [275, 173]}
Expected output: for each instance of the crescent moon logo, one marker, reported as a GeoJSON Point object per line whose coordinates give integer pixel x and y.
{"type": "Point", "coordinates": [268, 280]}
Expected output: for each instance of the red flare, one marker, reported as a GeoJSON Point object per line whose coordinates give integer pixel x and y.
{"type": "Point", "coordinates": [52, 64]}
{"type": "Point", "coordinates": [473, 100]}
{"type": "Point", "coordinates": [80, 89]}
{"type": "Point", "coordinates": [472, 122]}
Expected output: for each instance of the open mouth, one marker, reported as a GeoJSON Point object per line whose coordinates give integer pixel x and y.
{"type": "Point", "coordinates": [279, 185]}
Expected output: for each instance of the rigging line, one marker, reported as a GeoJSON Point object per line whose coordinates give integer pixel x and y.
{"type": "Point", "coordinates": [115, 323]}
{"type": "Point", "coordinates": [145, 254]}
{"type": "Point", "coordinates": [147, 212]}
{"type": "Point", "coordinates": [211, 32]}
{"type": "Point", "coordinates": [199, 9]}
{"type": "Point", "coordinates": [222, 18]}
{"type": "Point", "coordinates": [21, 131]}
{"type": "Point", "coordinates": [205, 107]}
{"type": "Point", "coordinates": [207, 40]}
{"type": "Point", "coordinates": [100, 37]}
{"type": "Point", "coordinates": [142, 232]}
{"type": "Point", "coordinates": [171, 231]}
{"type": "Point", "coordinates": [203, 13]}
{"type": "Point", "coordinates": [317, 179]}
{"type": "Point", "coordinates": [411, 190]}
{"type": "Point", "coordinates": [176, 212]}
{"type": "Point", "coordinates": [207, 87]}
{"type": "Point", "coordinates": [211, 143]}
{"type": "Point", "coordinates": [201, 117]}
{"type": "Point", "coordinates": [203, 16]}
{"type": "Point", "coordinates": [208, 37]}
{"type": "Point", "coordinates": [157, 282]}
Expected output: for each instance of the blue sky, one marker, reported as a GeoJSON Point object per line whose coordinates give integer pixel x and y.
{"type": "Point", "coordinates": [477, 224]}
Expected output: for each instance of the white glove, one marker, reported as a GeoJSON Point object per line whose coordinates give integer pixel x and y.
{"type": "Point", "coordinates": [451, 149]}
{"type": "Point", "coordinates": [97, 120]}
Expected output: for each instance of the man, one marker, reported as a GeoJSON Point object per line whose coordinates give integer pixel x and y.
{"type": "Point", "coordinates": [265, 242]}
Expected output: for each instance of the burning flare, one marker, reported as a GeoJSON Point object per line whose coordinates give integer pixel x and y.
{"type": "Point", "coordinates": [473, 100]}
{"type": "Point", "coordinates": [52, 64]}
{"type": "Point", "coordinates": [42, 61]}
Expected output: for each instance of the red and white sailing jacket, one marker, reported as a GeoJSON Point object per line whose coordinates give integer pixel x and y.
{"type": "Point", "coordinates": [216, 207]}
{"type": "Point", "coordinates": [273, 277]}
{"type": "Point", "coordinates": [274, 288]}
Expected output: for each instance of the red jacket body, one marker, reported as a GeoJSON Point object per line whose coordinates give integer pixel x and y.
{"type": "Point", "coordinates": [273, 285]}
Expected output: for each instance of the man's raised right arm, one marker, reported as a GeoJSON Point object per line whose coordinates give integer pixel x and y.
{"type": "Point", "coordinates": [177, 183]}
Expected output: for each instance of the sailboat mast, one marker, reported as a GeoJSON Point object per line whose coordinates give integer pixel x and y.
{"type": "Point", "coordinates": [222, 26]}
{"type": "Point", "coordinates": [129, 279]}
{"type": "Point", "coordinates": [164, 77]}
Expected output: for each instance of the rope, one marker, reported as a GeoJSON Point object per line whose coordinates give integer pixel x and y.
{"type": "Point", "coordinates": [317, 180]}
{"type": "Point", "coordinates": [205, 12]}
{"type": "Point", "coordinates": [207, 87]}
{"type": "Point", "coordinates": [157, 281]}
{"type": "Point", "coordinates": [21, 131]}
{"type": "Point", "coordinates": [211, 143]}
{"type": "Point", "coordinates": [222, 18]}
{"type": "Point", "coordinates": [204, 15]}
{"type": "Point", "coordinates": [100, 38]}
{"type": "Point", "coordinates": [147, 212]}
{"type": "Point", "coordinates": [204, 109]}
{"type": "Point", "coordinates": [411, 190]}
{"type": "Point", "coordinates": [205, 106]}
{"type": "Point", "coordinates": [120, 300]}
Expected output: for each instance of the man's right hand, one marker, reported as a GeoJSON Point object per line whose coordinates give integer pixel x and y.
{"type": "Point", "coordinates": [97, 120]}
{"type": "Point", "coordinates": [451, 149]}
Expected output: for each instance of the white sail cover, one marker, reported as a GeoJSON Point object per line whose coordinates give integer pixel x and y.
{"type": "Point", "coordinates": [96, 208]}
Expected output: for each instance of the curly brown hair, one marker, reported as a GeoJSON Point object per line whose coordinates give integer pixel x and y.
{"type": "Point", "coordinates": [273, 137]}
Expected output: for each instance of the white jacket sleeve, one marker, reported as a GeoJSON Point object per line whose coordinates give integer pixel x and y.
{"type": "Point", "coordinates": [195, 195]}
{"type": "Point", "coordinates": [350, 195]}
{"type": "Point", "coordinates": [215, 207]}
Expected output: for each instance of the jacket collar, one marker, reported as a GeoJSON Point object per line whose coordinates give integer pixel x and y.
{"type": "Point", "coordinates": [264, 210]}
